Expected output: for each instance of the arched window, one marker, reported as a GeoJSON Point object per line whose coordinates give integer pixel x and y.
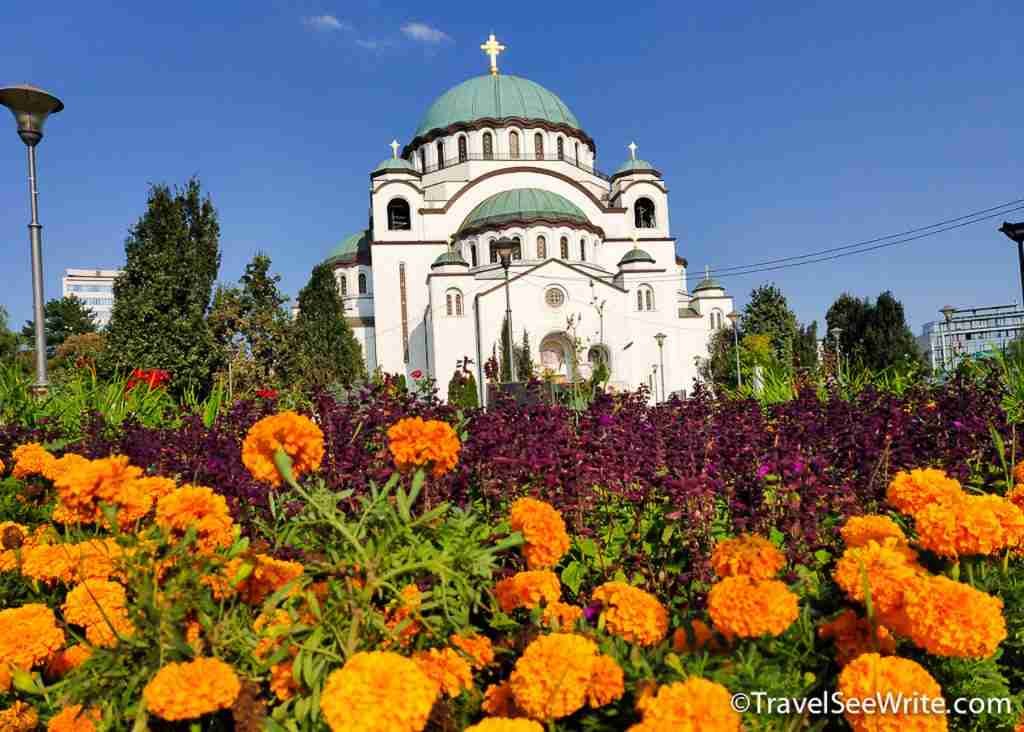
{"type": "Point", "coordinates": [583, 250]}
{"type": "Point", "coordinates": [440, 154]}
{"type": "Point", "coordinates": [494, 253]}
{"type": "Point", "coordinates": [561, 149]}
{"type": "Point", "coordinates": [398, 215]}
{"type": "Point", "coordinates": [717, 320]}
{"type": "Point", "coordinates": [423, 160]}
{"type": "Point", "coordinates": [644, 298]}
{"type": "Point", "coordinates": [643, 211]}
{"type": "Point", "coordinates": [577, 153]}
{"type": "Point", "coordinates": [343, 284]}
{"type": "Point", "coordinates": [517, 252]}
{"type": "Point", "coordinates": [488, 146]}
{"type": "Point", "coordinates": [649, 298]}
{"type": "Point", "coordinates": [542, 248]}
{"type": "Point", "coordinates": [362, 283]}
{"type": "Point", "coordinates": [564, 247]}
{"type": "Point", "coordinates": [538, 146]}
{"type": "Point", "coordinates": [463, 153]}
{"type": "Point", "coordinates": [513, 145]}
{"type": "Point", "coordinates": [453, 303]}
{"type": "Point", "coordinates": [472, 255]}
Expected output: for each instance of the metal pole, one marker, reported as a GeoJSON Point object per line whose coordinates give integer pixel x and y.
{"type": "Point", "coordinates": [1020, 260]}
{"type": "Point", "coordinates": [736, 340]}
{"type": "Point", "coordinates": [508, 320]}
{"type": "Point", "coordinates": [661, 360]}
{"type": "Point", "coordinates": [35, 232]}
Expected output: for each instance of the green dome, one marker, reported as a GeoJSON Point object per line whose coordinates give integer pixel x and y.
{"type": "Point", "coordinates": [450, 257]}
{"type": "Point", "coordinates": [496, 97]}
{"type": "Point", "coordinates": [636, 255]}
{"type": "Point", "coordinates": [523, 205]}
{"type": "Point", "coordinates": [396, 165]}
{"type": "Point", "coordinates": [350, 249]}
{"type": "Point", "coordinates": [635, 166]}
{"type": "Point", "coordinates": [708, 284]}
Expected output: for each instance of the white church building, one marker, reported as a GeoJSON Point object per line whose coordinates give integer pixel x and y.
{"type": "Point", "coordinates": [595, 274]}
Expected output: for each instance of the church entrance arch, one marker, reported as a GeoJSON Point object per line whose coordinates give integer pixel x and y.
{"type": "Point", "coordinates": [557, 357]}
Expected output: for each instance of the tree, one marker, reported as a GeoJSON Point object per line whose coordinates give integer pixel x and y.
{"type": "Point", "coordinates": [805, 349]}
{"type": "Point", "coordinates": [872, 335]}
{"type": "Point", "coordinates": [327, 349]}
{"type": "Point", "coordinates": [524, 361]}
{"type": "Point", "coordinates": [462, 390]}
{"type": "Point", "coordinates": [768, 314]}
{"type": "Point", "coordinates": [8, 339]}
{"type": "Point", "coordinates": [62, 317]}
{"type": "Point", "coordinates": [162, 297]}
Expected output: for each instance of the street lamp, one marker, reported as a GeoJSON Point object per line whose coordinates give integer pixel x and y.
{"type": "Point", "coordinates": [836, 332]}
{"type": "Point", "coordinates": [734, 318]}
{"type": "Point", "coordinates": [654, 381]}
{"type": "Point", "coordinates": [947, 313]}
{"type": "Point", "coordinates": [660, 338]}
{"type": "Point", "coordinates": [504, 247]}
{"type": "Point", "coordinates": [1016, 233]}
{"type": "Point", "coordinates": [31, 107]}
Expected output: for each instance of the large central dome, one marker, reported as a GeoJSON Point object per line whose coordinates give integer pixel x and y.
{"type": "Point", "coordinates": [496, 97]}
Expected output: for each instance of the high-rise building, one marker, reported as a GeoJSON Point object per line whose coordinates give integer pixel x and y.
{"type": "Point", "coordinates": [970, 332]}
{"type": "Point", "coordinates": [94, 287]}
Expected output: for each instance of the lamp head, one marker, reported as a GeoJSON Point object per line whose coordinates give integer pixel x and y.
{"type": "Point", "coordinates": [1013, 231]}
{"type": "Point", "coordinates": [504, 247]}
{"type": "Point", "coordinates": [947, 312]}
{"type": "Point", "coordinates": [660, 338]}
{"type": "Point", "coordinates": [31, 107]}
{"type": "Point", "coordinates": [733, 317]}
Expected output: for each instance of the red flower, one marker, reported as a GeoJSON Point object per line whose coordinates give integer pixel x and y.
{"type": "Point", "coordinates": [417, 374]}
{"type": "Point", "coordinates": [154, 378]}
{"type": "Point", "coordinates": [267, 393]}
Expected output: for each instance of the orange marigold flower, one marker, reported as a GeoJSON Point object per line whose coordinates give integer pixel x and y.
{"type": "Point", "coordinates": [66, 660]}
{"type": "Point", "coordinates": [854, 635]}
{"type": "Point", "coordinates": [969, 525]}
{"type": "Point", "coordinates": [197, 507]}
{"type": "Point", "coordinates": [909, 492]}
{"type": "Point", "coordinates": [415, 442]}
{"type": "Point", "coordinates": [378, 691]}
{"type": "Point", "coordinates": [297, 435]}
{"type": "Point", "coordinates": [92, 559]}
{"type": "Point", "coordinates": [30, 459]}
{"type": "Point", "coordinates": [19, 717]}
{"type": "Point", "coordinates": [948, 618]}
{"type": "Point", "coordinates": [702, 637]}
{"type": "Point", "coordinates": [748, 554]}
{"type": "Point", "coordinates": [555, 675]}
{"type": "Point", "coordinates": [561, 614]}
{"type": "Point", "coordinates": [631, 613]}
{"type": "Point", "coordinates": [99, 606]}
{"type": "Point", "coordinates": [5, 678]}
{"type": "Point", "coordinates": [189, 690]}
{"type": "Point", "coordinates": [13, 537]}
{"type": "Point", "coordinates": [499, 701]}
{"type": "Point", "coordinates": [871, 676]}
{"type": "Point", "coordinates": [477, 647]}
{"type": "Point", "coordinates": [528, 590]}
{"type": "Point", "coordinates": [887, 566]}
{"type": "Point", "coordinates": [75, 719]}
{"type": "Point", "coordinates": [82, 489]}
{"type": "Point", "coordinates": [859, 530]}
{"type": "Point", "coordinates": [606, 682]}
{"type": "Point", "coordinates": [543, 530]}
{"type": "Point", "coordinates": [402, 616]}
{"type": "Point", "coordinates": [267, 577]}
{"type": "Point", "coordinates": [748, 608]}
{"type": "Point", "coordinates": [446, 668]}
{"type": "Point", "coordinates": [694, 705]}
{"type": "Point", "coordinates": [505, 724]}
{"type": "Point", "coordinates": [282, 679]}
{"type": "Point", "coordinates": [28, 635]}
{"type": "Point", "coordinates": [56, 468]}
{"type": "Point", "coordinates": [1016, 496]}
{"type": "Point", "coordinates": [1018, 472]}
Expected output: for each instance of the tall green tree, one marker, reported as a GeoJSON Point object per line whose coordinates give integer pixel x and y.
{"type": "Point", "coordinates": [162, 297]}
{"type": "Point", "coordinates": [805, 349]}
{"type": "Point", "coordinates": [62, 317]}
{"type": "Point", "coordinates": [327, 349]}
{"type": "Point", "coordinates": [768, 313]}
{"type": "Point", "coordinates": [525, 368]}
{"type": "Point", "coordinates": [8, 339]}
{"type": "Point", "coordinates": [872, 335]}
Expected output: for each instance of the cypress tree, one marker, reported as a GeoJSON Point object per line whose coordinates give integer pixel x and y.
{"type": "Point", "coordinates": [328, 350]}
{"type": "Point", "coordinates": [162, 297]}
{"type": "Point", "coordinates": [768, 314]}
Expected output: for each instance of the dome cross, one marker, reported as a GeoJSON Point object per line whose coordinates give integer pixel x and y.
{"type": "Point", "coordinates": [394, 149]}
{"type": "Point", "coordinates": [492, 48]}
{"type": "Point", "coordinates": [632, 150]}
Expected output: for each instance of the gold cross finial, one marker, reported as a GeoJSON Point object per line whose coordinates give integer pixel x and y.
{"type": "Point", "coordinates": [394, 149]}
{"type": "Point", "coordinates": [492, 48]}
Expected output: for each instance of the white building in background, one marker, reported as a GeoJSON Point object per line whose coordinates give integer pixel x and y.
{"type": "Point", "coordinates": [970, 332]}
{"type": "Point", "coordinates": [501, 156]}
{"type": "Point", "coordinates": [95, 287]}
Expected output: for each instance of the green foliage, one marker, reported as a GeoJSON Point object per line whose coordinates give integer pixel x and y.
{"type": "Point", "coordinates": [162, 297]}
{"type": "Point", "coordinates": [769, 314]}
{"type": "Point", "coordinates": [462, 390]}
{"type": "Point", "coordinates": [805, 348]}
{"type": "Point", "coordinates": [327, 349]}
{"type": "Point", "coordinates": [525, 369]}
{"type": "Point", "coordinates": [62, 318]}
{"type": "Point", "coordinates": [8, 339]}
{"type": "Point", "coordinates": [873, 335]}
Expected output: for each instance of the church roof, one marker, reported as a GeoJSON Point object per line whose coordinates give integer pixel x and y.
{"type": "Point", "coordinates": [496, 97]}
{"type": "Point", "coordinates": [635, 166]}
{"type": "Point", "coordinates": [449, 257]}
{"type": "Point", "coordinates": [524, 205]}
{"type": "Point", "coordinates": [708, 284]}
{"type": "Point", "coordinates": [635, 255]}
{"type": "Point", "coordinates": [395, 165]}
{"type": "Point", "coordinates": [351, 249]}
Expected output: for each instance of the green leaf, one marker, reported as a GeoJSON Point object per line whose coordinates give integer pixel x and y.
{"type": "Point", "coordinates": [572, 576]}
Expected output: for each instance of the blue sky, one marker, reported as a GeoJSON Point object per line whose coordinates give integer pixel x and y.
{"type": "Point", "coordinates": [781, 127]}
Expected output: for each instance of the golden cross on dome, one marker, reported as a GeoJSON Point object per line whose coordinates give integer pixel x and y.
{"type": "Point", "coordinates": [492, 48]}
{"type": "Point", "coordinates": [394, 148]}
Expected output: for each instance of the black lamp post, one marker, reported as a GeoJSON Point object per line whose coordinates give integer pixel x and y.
{"type": "Point", "coordinates": [1015, 232]}
{"type": "Point", "coordinates": [31, 107]}
{"type": "Point", "coordinates": [504, 247]}
{"type": "Point", "coordinates": [734, 318]}
{"type": "Point", "coordinates": [660, 338]}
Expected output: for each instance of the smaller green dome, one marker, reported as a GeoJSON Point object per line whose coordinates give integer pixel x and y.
{"type": "Point", "coordinates": [351, 249]}
{"type": "Point", "coordinates": [635, 166]}
{"type": "Point", "coordinates": [636, 255]}
{"type": "Point", "coordinates": [708, 284]}
{"type": "Point", "coordinates": [395, 165]}
{"type": "Point", "coordinates": [523, 205]}
{"type": "Point", "coordinates": [449, 257]}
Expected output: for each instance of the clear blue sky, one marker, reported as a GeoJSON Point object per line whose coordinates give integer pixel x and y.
{"type": "Point", "coordinates": [780, 127]}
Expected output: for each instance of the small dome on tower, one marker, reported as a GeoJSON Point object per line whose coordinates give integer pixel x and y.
{"type": "Point", "coordinates": [395, 165]}
{"type": "Point", "coordinates": [708, 283]}
{"type": "Point", "coordinates": [636, 256]}
{"type": "Point", "coordinates": [635, 165]}
{"type": "Point", "coordinates": [449, 258]}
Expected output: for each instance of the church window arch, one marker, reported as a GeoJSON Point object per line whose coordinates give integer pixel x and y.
{"type": "Point", "coordinates": [643, 213]}
{"type": "Point", "coordinates": [440, 154]}
{"type": "Point", "coordinates": [488, 146]}
{"type": "Point", "coordinates": [399, 218]}
{"type": "Point", "coordinates": [463, 149]}
{"type": "Point", "coordinates": [563, 246]}
{"type": "Point", "coordinates": [493, 251]}
{"type": "Point", "coordinates": [343, 283]}
{"type": "Point", "coordinates": [453, 303]}
{"type": "Point", "coordinates": [644, 298]}
{"type": "Point", "coordinates": [362, 283]}
{"type": "Point", "coordinates": [473, 256]}
{"type": "Point", "coordinates": [517, 252]}
{"type": "Point", "coordinates": [513, 145]}
{"type": "Point", "coordinates": [561, 148]}
{"type": "Point", "coordinates": [423, 160]}
{"type": "Point", "coordinates": [577, 153]}
{"type": "Point", "coordinates": [717, 319]}
{"type": "Point", "coordinates": [583, 250]}
{"type": "Point", "coordinates": [542, 247]}
{"type": "Point", "coordinates": [538, 146]}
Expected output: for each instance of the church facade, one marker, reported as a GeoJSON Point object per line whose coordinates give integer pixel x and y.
{"type": "Point", "coordinates": [594, 273]}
